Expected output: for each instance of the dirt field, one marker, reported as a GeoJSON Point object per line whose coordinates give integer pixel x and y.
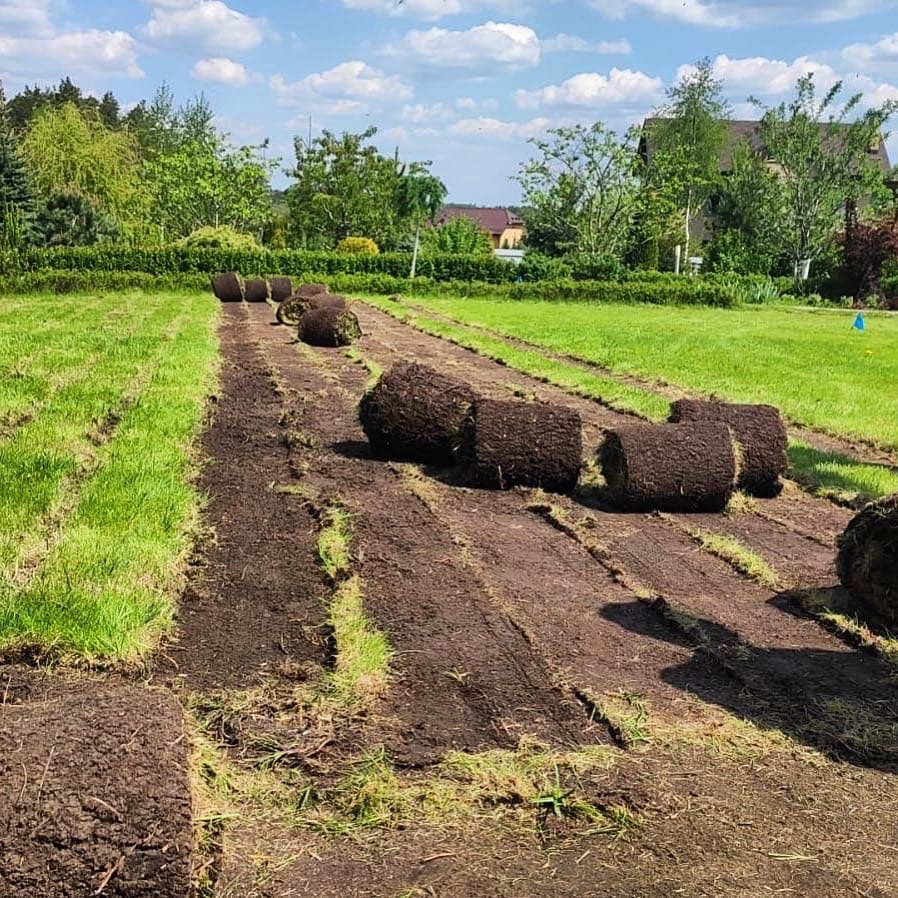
{"type": "Point", "coordinates": [580, 702]}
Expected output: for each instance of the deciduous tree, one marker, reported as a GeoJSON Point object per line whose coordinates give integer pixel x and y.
{"type": "Point", "coordinates": [419, 197]}
{"type": "Point", "coordinates": [579, 192]}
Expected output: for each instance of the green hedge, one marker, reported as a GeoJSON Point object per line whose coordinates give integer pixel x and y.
{"type": "Point", "coordinates": [182, 260]}
{"type": "Point", "coordinates": [682, 291]}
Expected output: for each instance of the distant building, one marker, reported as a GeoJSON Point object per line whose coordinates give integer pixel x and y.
{"type": "Point", "coordinates": [504, 228]}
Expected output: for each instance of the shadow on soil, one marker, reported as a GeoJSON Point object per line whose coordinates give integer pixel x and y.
{"type": "Point", "coordinates": [840, 703]}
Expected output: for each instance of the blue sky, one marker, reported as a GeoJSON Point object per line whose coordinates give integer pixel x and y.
{"type": "Point", "coordinates": [463, 83]}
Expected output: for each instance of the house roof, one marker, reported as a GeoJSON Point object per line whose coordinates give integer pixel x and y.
{"type": "Point", "coordinates": [492, 219]}
{"type": "Point", "coordinates": [750, 131]}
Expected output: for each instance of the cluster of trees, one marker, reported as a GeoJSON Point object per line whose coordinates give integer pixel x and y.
{"type": "Point", "coordinates": [636, 197]}
{"type": "Point", "coordinates": [74, 171]}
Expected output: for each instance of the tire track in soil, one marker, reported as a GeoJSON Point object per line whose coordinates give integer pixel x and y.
{"type": "Point", "coordinates": [255, 599]}
{"type": "Point", "coordinates": [465, 676]}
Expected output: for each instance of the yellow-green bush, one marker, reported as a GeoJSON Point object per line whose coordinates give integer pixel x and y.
{"type": "Point", "coordinates": [358, 246]}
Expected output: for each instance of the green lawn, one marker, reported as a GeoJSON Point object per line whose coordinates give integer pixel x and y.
{"type": "Point", "coordinates": [825, 473]}
{"type": "Point", "coordinates": [100, 403]}
{"type": "Point", "coordinates": [812, 364]}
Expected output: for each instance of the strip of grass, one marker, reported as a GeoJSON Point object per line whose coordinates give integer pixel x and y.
{"type": "Point", "coordinates": [810, 363]}
{"type": "Point", "coordinates": [107, 589]}
{"type": "Point", "coordinates": [830, 475]}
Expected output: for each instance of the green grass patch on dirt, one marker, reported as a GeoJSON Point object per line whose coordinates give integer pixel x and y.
{"type": "Point", "coordinates": [827, 474]}
{"type": "Point", "coordinates": [98, 518]}
{"type": "Point", "coordinates": [739, 557]}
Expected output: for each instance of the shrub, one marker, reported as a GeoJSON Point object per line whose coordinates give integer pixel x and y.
{"type": "Point", "coordinates": [867, 249]}
{"type": "Point", "coordinates": [357, 246]}
{"type": "Point", "coordinates": [537, 267]}
{"type": "Point", "coordinates": [50, 281]}
{"type": "Point", "coordinates": [595, 267]}
{"type": "Point", "coordinates": [219, 238]}
{"type": "Point", "coordinates": [460, 236]}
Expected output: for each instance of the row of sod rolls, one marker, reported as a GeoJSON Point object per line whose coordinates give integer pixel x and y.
{"type": "Point", "coordinates": [415, 413]}
{"type": "Point", "coordinates": [695, 462]}
{"type": "Point", "coordinates": [231, 287]}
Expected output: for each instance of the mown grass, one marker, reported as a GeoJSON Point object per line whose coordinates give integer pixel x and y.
{"type": "Point", "coordinates": [811, 363]}
{"type": "Point", "coordinates": [824, 473]}
{"type": "Point", "coordinates": [100, 498]}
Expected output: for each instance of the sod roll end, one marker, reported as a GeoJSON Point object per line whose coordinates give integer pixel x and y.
{"type": "Point", "coordinates": [867, 561]}
{"type": "Point", "coordinates": [329, 327]}
{"type": "Point", "coordinates": [228, 287]}
{"type": "Point", "coordinates": [413, 413]}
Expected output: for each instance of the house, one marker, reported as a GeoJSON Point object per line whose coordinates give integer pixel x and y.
{"type": "Point", "coordinates": [505, 229]}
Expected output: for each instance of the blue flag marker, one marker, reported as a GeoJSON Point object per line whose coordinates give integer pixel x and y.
{"type": "Point", "coordinates": [859, 322]}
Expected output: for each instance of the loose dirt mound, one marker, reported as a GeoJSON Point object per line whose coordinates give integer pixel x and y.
{"type": "Point", "coordinates": [228, 287]}
{"type": "Point", "coordinates": [255, 290]}
{"type": "Point", "coordinates": [96, 799]}
{"type": "Point", "coordinates": [504, 443]}
{"type": "Point", "coordinates": [670, 467]}
{"type": "Point", "coordinates": [329, 327]}
{"type": "Point", "coordinates": [761, 435]}
{"type": "Point", "coordinates": [281, 288]}
{"type": "Point", "coordinates": [414, 413]}
{"type": "Point", "coordinates": [868, 561]}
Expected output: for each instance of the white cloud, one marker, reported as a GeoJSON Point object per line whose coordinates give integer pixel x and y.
{"type": "Point", "coordinates": [106, 52]}
{"type": "Point", "coordinates": [347, 88]}
{"type": "Point", "coordinates": [570, 43]}
{"type": "Point", "coordinates": [482, 48]}
{"type": "Point", "coordinates": [758, 74]}
{"type": "Point", "coordinates": [25, 18]}
{"type": "Point", "coordinates": [222, 70]}
{"type": "Point", "coordinates": [210, 24]}
{"type": "Point", "coordinates": [495, 129]}
{"type": "Point", "coordinates": [593, 90]}
{"type": "Point", "coordinates": [734, 14]}
{"type": "Point", "coordinates": [431, 10]}
{"type": "Point", "coordinates": [880, 55]}
{"type": "Point", "coordinates": [421, 112]}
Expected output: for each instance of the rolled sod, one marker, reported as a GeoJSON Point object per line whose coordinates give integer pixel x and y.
{"type": "Point", "coordinates": [228, 287]}
{"type": "Point", "coordinates": [310, 289]}
{"type": "Point", "coordinates": [280, 288]}
{"type": "Point", "coordinates": [413, 413]}
{"type": "Point", "coordinates": [670, 467]}
{"type": "Point", "coordinates": [291, 309]}
{"type": "Point", "coordinates": [760, 433]}
{"type": "Point", "coordinates": [96, 797]}
{"type": "Point", "coordinates": [328, 301]}
{"type": "Point", "coordinates": [506, 443]}
{"type": "Point", "coordinates": [329, 327]}
{"type": "Point", "coordinates": [867, 561]}
{"type": "Point", "coordinates": [255, 290]}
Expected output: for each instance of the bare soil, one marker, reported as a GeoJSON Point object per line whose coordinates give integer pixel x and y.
{"type": "Point", "coordinates": [747, 750]}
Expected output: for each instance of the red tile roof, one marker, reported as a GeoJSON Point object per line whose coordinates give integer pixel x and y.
{"type": "Point", "coordinates": [492, 219]}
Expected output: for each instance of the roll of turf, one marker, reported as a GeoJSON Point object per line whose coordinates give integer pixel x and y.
{"type": "Point", "coordinates": [413, 413]}
{"type": "Point", "coordinates": [291, 309]}
{"type": "Point", "coordinates": [506, 443]}
{"type": "Point", "coordinates": [328, 301]}
{"type": "Point", "coordinates": [867, 561]}
{"type": "Point", "coordinates": [228, 287]}
{"type": "Point", "coordinates": [255, 290]}
{"type": "Point", "coordinates": [669, 467]}
{"type": "Point", "coordinates": [280, 288]}
{"type": "Point", "coordinates": [309, 289]}
{"type": "Point", "coordinates": [329, 327]}
{"type": "Point", "coordinates": [760, 433]}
